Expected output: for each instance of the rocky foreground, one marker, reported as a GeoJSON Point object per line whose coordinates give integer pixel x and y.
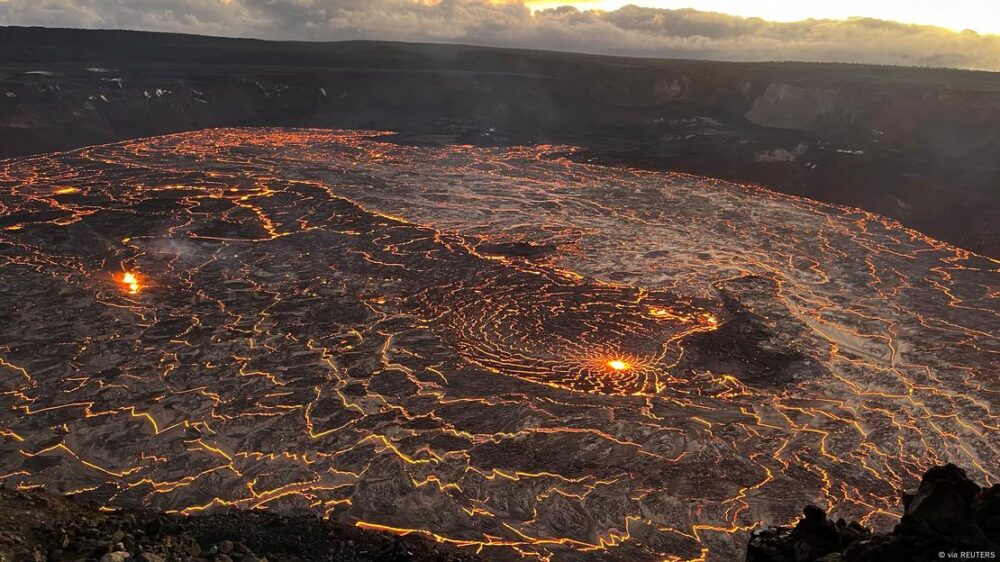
{"type": "Point", "coordinates": [948, 517]}
{"type": "Point", "coordinates": [37, 526]}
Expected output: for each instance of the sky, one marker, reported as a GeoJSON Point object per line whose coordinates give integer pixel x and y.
{"type": "Point", "coordinates": [952, 33]}
{"type": "Point", "coordinates": [957, 15]}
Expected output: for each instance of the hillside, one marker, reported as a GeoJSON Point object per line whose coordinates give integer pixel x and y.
{"type": "Point", "coordinates": [917, 145]}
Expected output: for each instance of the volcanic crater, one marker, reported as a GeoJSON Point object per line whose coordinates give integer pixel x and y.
{"type": "Point", "coordinates": [499, 348]}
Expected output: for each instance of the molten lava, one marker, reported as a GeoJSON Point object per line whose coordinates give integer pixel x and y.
{"type": "Point", "coordinates": [131, 282]}
{"type": "Point", "coordinates": [683, 357]}
{"type": "Point", "coordinates": [619, 365]}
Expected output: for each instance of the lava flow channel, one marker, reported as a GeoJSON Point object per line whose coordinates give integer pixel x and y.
{"type": "Point", "coordinates": [498, 348]}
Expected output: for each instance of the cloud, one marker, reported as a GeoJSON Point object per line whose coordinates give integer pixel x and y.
{"type": "Point", "coordinates": [628, 31]}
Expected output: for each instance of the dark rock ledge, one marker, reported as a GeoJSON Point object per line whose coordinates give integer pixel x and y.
{"type": "Point", "coordinates": [949, 517]}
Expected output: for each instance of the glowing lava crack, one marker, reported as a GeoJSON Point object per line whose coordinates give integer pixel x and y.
{"type": "Point", "coordinates": [496, 348]}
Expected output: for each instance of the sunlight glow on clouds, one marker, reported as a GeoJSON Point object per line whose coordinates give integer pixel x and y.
{"type": "Point", "coordinates": [630, 30]}
{"type": "Point", "coordinates": [979, 15]}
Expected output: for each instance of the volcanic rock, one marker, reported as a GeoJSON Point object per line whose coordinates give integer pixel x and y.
{"type": "Point", "coordinates": [948, 516]}
{"type": "Point", "coordinates": [917, 144]}
{"type": "Point", "coordinates": [814, 538]}
{"type": "Point", "coordinates": [36, 523]}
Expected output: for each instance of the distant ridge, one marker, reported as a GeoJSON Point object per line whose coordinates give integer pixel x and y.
{"type": "Point", "coordinates": [915, 144]}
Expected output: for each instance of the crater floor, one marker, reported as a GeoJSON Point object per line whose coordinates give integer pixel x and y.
{"type": "Point", "coordinates": [497, 348]}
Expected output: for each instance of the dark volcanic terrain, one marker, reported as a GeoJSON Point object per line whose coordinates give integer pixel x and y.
{"type": "Point", "coordinates": [37, 526]}
{"type": "Point", "coordinates": [500, 348]}
{"type": "Point", "coordinates": [918, 145]}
